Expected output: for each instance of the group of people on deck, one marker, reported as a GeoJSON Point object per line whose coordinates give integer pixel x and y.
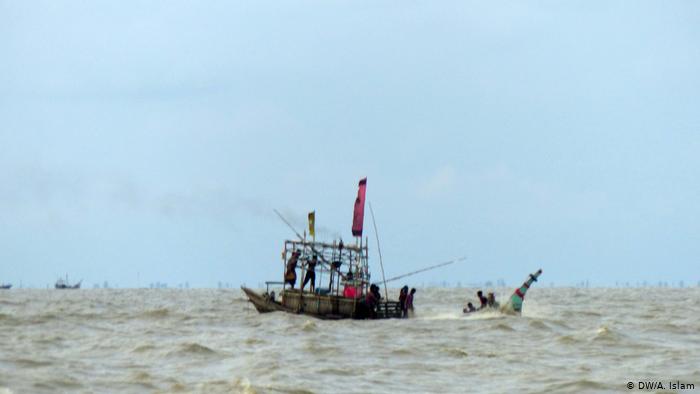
{"type": "Point", "coordinates": [371, 299]}
{"type": "Point", "coordinates": [488, 302]}
{"type": "Point", "coordinates": [406, 301]}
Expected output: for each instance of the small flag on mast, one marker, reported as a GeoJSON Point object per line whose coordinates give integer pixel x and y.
{"type": "Point", "coordinates": [312, 223]}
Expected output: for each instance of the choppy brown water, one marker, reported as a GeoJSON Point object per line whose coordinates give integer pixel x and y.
{"type": "Point", "coordinates": [568, 340]}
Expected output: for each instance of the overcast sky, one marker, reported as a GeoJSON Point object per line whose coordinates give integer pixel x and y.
{"type": "Point", "coordinates": [150, 141]}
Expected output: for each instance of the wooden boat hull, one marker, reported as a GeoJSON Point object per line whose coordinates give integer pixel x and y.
{"type": "Point", "coordinates": [261, 303]}
{"type": "Point", "coordinates": [321, 306]}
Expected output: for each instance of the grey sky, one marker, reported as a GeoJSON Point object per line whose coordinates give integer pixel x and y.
{"type": "Point", "coordinates": [157, 137]}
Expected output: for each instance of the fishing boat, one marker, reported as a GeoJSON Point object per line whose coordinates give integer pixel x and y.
{"type": "Point", "coordinates": [342, 280]}
{"type": "Point", "coordinates": [63, 284]}
{"type": "Point", "coordinates": [5, 286]}
{"type": "Point", "coordinates": [340, 272]}
{"type": "Point", "coordinates": [514, 305]}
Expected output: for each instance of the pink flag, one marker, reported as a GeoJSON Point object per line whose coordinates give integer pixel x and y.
{"type": "Point", "coordinates": [359, 216]}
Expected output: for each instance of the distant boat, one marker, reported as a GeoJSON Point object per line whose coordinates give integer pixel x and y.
{"type": "Point", "coordinates": [64, 285]}
{"type": "Point", "coordinates": [5, 286]}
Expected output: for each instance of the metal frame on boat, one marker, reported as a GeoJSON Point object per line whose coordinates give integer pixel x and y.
{"type": "Point", "coordinates": [345, 269]}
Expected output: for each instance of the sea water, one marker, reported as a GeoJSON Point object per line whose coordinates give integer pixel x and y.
{"type": "Point", "coordinates": [197, 340]}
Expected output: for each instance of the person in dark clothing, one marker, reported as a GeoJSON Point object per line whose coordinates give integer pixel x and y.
{"type": "Point", "coordinates": [483, 300]}
{"type": "Point", "coordinates": [376, 292]}
{"type": "Point", "coordinates": [469, 308]}
{"type": "Point", "coordinates": [371, 301]}
{"type": "Point", "coordinates": [290, 275]}
{"type": "Point", "coordinates": [310, 274]}
{"type": "Point", "coordinates": [492, 301]}
{"type": "Point", "coordinates": [335, 266]}
{"type": "Point", "coordinates": [402, 299]}
{"type": "Point", "coordinates": [409, 303]}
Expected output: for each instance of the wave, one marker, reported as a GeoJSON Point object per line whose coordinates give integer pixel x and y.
{"type": "Point", "coordinates": [194, 349]}
{"type": "Point", "coordinates": [455, 352]}
{"type": "Point", "coordinates": [335, 371]}
{"type": "Point", "coordinates": [143, 379]}
{"type": "Point", "coordinates": [43, 318]}
{"type": "Point", "coordinates": [143, 349]}
{"type": "Point", "coordinates": [606, 334]}
{"type": "Point", "coordinates": [67, 383]}
{"type": "Point", "coordinates": [29, 363]}
{"type": "Point", "coordinates": [403, 352]}
{"type": "Point", "coordinates": [253, 341]}
{"type": "Point", "coordinates": [11, 303]}
{"type": "Point", "coordinates": [309, 326]}
{"type": "Point", "coordinates": [441, 316]}
{"type": "Point", "coordinates": [316, 348]}
{"type": "Point", "coordinates": [568, 340]}
{"type": "Point", "coordinates": [157, 313]}
{"type": "Point", "coordinates": [579, 386]}
{"type": "Point", "coordinates": [539, 325]}
{"type": "Point", "coordinates": [486, 315]}
{"type": "Point", "coordinates": [8, 319]}
{"type": "Point", "coordinates": [244, 385]}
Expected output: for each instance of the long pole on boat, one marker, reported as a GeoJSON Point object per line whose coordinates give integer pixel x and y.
{"type": "Point", "coordinates": [323, 259]}
{"type": "Point", "coordinates": [288, 224]}
{"type": "Point", "coordinates": [426, 269]}
{"type": "Point", "coordinates": [379, 250]}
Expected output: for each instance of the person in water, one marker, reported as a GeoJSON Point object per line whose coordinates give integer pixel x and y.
{"type": "Point", "coordinates": [310, 274]}
{"type": "Point", "coordinates": [469, 308]}
{"type": "Point", "coordinates": [492, 301]}
{"type": "Point", "coordinates": [408, 312]}
{"type": "Point", "coordinates": [483, 300]}
{"type": "Point", "coordinates": [290, 275]}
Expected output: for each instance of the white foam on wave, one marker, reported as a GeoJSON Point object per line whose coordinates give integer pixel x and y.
{"type": "Point", "coordinates": [441, 315]}
{"type": "Point", "coordinates": [245, 386]}
{"type": "Point", "coordinates": [485, 315]}
{"type": "Point", "coordinates": [458, 315]}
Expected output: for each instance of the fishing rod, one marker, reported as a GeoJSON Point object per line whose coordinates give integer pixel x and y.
{"type": "Point", "coordinates": [426, 269]}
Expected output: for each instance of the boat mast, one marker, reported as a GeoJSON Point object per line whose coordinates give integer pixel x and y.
{"type": "Point", "coordinates": [379, 250]}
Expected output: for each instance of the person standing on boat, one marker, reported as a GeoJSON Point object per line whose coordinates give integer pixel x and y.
{"type": "Point", "coordinates": [483, 300]}
{"type": "Point", "coordinates": [290, 275]}
{"type": "Point", "coordinates": [402, 299]}
{"type": "Point", "coordinates": [371, 300]}
{"type": "Point", "coordinates": [310, 274]}
{"type": "Point", "coordinates": [408, 312]}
